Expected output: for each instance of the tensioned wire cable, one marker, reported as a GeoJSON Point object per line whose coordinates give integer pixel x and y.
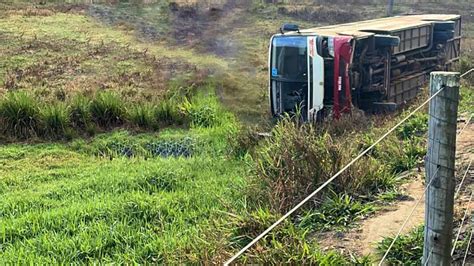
{"type": "Point", "coordinates": [466, 73]}
{"type": "Point", "coordinates": [429, 256]}
{"type": "Point", "coordinates": [463, 178]}
{"type": "Point", "coordinates": [432, 177]}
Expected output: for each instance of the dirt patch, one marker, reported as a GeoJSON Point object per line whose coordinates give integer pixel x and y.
{"type": "Point", "coordinates": [72, 65]}
{"type": "Point", "coordinates": [208, 28]}
{"type": "Point", "coordinates": [111, 15]}
{"type": "Point", "coordinates": [387, 223]}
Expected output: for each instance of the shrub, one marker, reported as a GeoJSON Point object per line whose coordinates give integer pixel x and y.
{"type": "Point", "coordinates": [54, 120]}
{"type": "Point", "coordinates": [142, 115]}
{"type": "Point", "coordinates": [107, 109]}
{"type": "Point", "coordinates": [19, 115]}
{"type": "Point", "coordinates": [80, 112]}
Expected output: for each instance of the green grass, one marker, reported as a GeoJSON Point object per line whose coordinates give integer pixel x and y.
{"type": "Point", "coordinates": [19, 115]}
{"type": "Point", "coordinates": [407, 249]}
{"type": "Point", "coordinates": [339, 212]}
{"type": "Point", "coordinates": [73, 203]}
{"type": "Point", "coordinates": [107, 109]}
{"type": "Point", "coordinates": [56, 120]}
{"type": "Point", "coordinates": [181, 181]}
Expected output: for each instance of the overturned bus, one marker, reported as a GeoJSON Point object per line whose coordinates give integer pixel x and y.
{"type": "Point", "coordinates": [373, 65]}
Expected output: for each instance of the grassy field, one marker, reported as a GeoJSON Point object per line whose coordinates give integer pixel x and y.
{"type": "Point", "coordinates": [129, 135]}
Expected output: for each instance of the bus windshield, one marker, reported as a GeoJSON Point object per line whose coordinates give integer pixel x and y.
{"type": "Point", "coordinates": [289, 58]}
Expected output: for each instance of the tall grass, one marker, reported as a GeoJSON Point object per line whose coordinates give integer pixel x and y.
{"type": "Point", "coordinates": [55, 120]}
{"type": "Point", "coordinates": [297, 158]}
{"type": "Point", "coordinates": [19, 115]}
{"type": "Point", "coordinates": [23, 117]}
{"type": "Point", "coordinates": [81, 116]}
{"type": "Point", "coordinates": [167, 112]}
{"type": "Point", "coordinates": [142, 115]}
{"type": "Point", "coordinates": [107, 109]}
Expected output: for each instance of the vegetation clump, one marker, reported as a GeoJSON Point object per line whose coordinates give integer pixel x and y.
{"type": "Point", "coordinates": [107, 109]}
{"type": "Point", "coordinates": [55, 119]}
{"type": "Point", "coordinates": [19, 115]}
{"type": "Point", "coordinates": [338, 212]}
{"type": "Point", "coordinates": [407, 249]}
{"type": "Point", "coordinates": [297, 159]}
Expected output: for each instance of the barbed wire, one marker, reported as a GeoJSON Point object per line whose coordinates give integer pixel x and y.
{"type": "Point", "coordinates": [432, 177]}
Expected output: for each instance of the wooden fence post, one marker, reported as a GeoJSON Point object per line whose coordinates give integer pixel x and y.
{"type": "Point", "coordinates": [439, 165]}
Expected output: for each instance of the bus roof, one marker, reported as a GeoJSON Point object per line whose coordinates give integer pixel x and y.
{"type": "Point", "coordinates": [367, 28]}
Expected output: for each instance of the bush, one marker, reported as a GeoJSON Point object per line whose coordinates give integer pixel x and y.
{"type": "Point", "coordinates": [55, 120]}
{"type": "Point", "coordinates": [107, 109]}
{"type": "Point", "coordinates": [19, 115]}
{"type": "Point", "coordinates": [80, 114]}
{"type": "Point", "coordinates": [142, 115]}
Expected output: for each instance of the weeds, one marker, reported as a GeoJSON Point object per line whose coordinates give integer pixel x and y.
{"type": "Point", "coordinates": [414, 127]}
{"type": "Point", "coordinates": [296, 160]}
{"type": "Point", "coordinates": [168, 113]}
{"type": "Point", "coordinates": [19, 114]}
{"type": "Point", "coordinates": [407, 249]}
{"type": "Point", "coordinates": [107, 109]}
{"type": "Point", "coordinates": [55, 119]}
{"type": "Point", "coordinates": [204, 114]}
{"type": "Point", "coordinates": [289, 244]}
{"type": "Point", "coordinates": [142, 115]}
{"type": "Point", "coordinates": [81, 117]}
{"type": "Point", "coordinates": [338, 212]}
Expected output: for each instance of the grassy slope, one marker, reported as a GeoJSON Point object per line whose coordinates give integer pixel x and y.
{"type": "Point", "coordinates": [61, 203]}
